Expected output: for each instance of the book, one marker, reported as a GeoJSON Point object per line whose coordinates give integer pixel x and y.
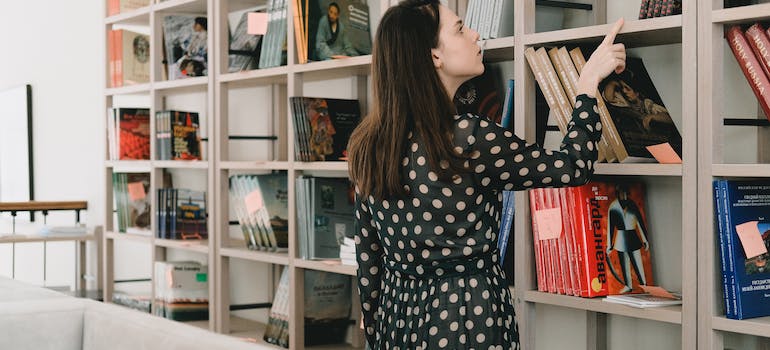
{"type": "Point", "coordinates": [751, 67]}
{"type": "Point", "coordinates": [644, 300]}
{"type": "Point", "coordinates": [181, 290]}
{"type": "Point", "coordinates": [482, 95]}
{"type": "Point", "coordinates": [129, 57]}
{"type": "Point", "coordinates": [324, 126]}
{"type": "Point", "coordinates": [324, 206]}
{"type": "Point", "coordinates": [245, 48]}
{"type": "Point", "coordinates": [133, 136]}
{"type": "Point", "coordinates": [328, 302]}
{"type": "Point", "coordinates": [325, 40]}
{"type": "Point", "coordinates": [638, 113]}
{"type": "Point", "coordinates": [744, 242]}
{"type": "Point", "coordinates": [186, 46]}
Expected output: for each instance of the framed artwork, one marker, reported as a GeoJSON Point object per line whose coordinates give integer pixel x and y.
{"type": "Point", "coordinates": [16, 176]}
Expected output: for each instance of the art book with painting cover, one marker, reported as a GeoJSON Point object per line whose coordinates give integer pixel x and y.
{"type": "Point", "coordinates": [638, 114]}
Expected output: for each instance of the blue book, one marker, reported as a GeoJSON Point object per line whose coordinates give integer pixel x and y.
{"type": "Point", "coordinates": [747, 203]}
{"type": "Point", "coordinates": [507, 117]}
{"type": "Point", "coordinates": [506, 221]}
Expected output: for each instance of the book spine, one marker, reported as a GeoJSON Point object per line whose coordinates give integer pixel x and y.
{"type": "Point", "coordinates": [557, 249]}
{"type": "Point", "coordinates": [118, 47]}
{"type": "Point", "coordinates": [760, 44]}
{"type": "Point", "coordinates": [539, 258]}
{"type": "Point", "coordinates": [609, 131]}
{"type": "Point", "coordinates": [561, 194]}
{"type": "Point", "coordinates": [569, 76]}
{"type": "Point", "coordinates": [750, 66]}
{"type": "Point", "coordinates": [575, 212]}
{"type": "Point", "coordinates": [550, 97]}
{"type": "Point", "coordinates": [731, 247]}
{"type": "Point", "coordinates": [720, 212]}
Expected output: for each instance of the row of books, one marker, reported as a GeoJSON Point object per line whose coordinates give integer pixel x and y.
{"type": "Point", "coordinates": [177, 134]}
{"type": "Point", "coordinates": [741, 209]}
{"type": "Point", "coordinates": [325, 208]}
{"type": "Point", "coordinates": [181, 214]}
{"type": "Point", "coordinates": [328, 303]}
{"type": "Point", "coordinates": [181, 290]}
{"type": "Point", "coordinates": [659, 8]}
{"type": "Point", "coordinates": [129, 57]}
{"type": "Point", "coordinates": [633, 115]}
{"type": "Point", "coordinates": [491, 19]}
{"type": "Point", "coordinates": [588, 239]}
{"type": "Point", "coordinates": [273, 50]}
{"type": "Point", "coordinates": [261, 203]}
{"type": "Point", "coordinates": [750, 49]}
{"type": "Point", "coordinates": [323, 127]}
{"type": "Point", "coordinates": [245, 47]}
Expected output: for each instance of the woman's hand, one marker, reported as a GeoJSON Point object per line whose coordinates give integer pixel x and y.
{"type": "Point", "coordinates": [607, 58]}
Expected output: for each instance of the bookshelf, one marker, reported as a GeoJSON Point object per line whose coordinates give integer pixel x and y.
{"type": "Point", "coordinates": [726, 152]}
{"type": "Point", "coordinates": [682, 216]}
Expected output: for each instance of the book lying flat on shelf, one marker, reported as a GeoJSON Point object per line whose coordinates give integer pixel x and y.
{"type": "Point", "coordinates": [644, 300]}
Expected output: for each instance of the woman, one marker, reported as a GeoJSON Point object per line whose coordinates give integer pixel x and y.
{"type": "Point", "coordinates": [429, 185]}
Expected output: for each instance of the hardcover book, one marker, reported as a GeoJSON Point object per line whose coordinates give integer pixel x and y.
{"type": "Point", "coordinates": [185, 40]}
{"type": "Point", "coordinates": [742, 208]}
{"type": "Point", "coordinates": [638, 112]}
{"type": "Point", "coordinates": [336, 28]}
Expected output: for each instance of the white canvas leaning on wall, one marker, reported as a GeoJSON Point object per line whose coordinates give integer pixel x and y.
{"type": "Point", "coordinates": [16, 144]}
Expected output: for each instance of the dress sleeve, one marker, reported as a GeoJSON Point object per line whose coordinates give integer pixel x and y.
{"type": "Point", "coordinates": [369, 256]}
{"type": "Point", "coordinates": [502, 161]}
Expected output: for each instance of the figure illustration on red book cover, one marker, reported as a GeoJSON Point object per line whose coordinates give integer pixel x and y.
{"type": "Point", "coordinates": [322, 130]}
{"type": "Point", "coordinates": [627, 235]}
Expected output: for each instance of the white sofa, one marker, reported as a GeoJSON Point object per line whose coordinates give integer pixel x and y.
{"type": "Point", "coordinates": [33, 318]}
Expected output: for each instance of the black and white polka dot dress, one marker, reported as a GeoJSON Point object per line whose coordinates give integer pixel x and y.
{"type": "Point", "coordinates": [428, 275]}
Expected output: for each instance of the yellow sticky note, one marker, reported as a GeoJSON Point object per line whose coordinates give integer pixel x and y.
{"type": "Point", "coordinates": [254, 201]}
{"type": "Point", "coordinates": [751, 239]}
{"type": "Point", "coordinates": [548, 223]}
{"type": "Point", "coordinates": [664, 154]}
{"type": "Point", "coordinates": [136, 191]}
{"type": "Point", "coordinates": [658, 292]}
{"type": "Point", "coordinates": [257, 23]}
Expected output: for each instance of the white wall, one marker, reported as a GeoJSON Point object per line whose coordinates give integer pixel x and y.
{"type": "Point", "coordinates": [58, 48]}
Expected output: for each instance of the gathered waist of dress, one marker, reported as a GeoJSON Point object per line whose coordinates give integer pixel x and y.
{"type": "Point", "coordinates": [443, 268]}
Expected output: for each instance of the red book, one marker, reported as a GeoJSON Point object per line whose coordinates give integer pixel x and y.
{"type": "Point", "coordinates": [750, 66]}
{"type": "Point", "coordinates": [588, 218]}
{"type": "Point", "coordinates": [542, 285]}
{"type": "Point", "coordinates": [576, 233]}
{"type": "Point", "coordinates": [760, 44]}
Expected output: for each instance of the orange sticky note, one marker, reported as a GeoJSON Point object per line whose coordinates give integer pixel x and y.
{"type": "Point", "coordinates": [664, 154]}
{"type": "Point", "coordinates": [751, 239]}
{"type": "Point", "coordinates": [136, 191]}
{"type": "Point", "coordinates": [254, 201]}
{"type": "Point", "coordinates": [548, 223]}
{"type": "Point", "coordinates": [257, 23]}
{"type": "Point", "coordinates": [658, 292]}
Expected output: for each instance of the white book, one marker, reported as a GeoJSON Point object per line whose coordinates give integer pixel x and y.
{"type": "Point", "coordinates": [644, 300]}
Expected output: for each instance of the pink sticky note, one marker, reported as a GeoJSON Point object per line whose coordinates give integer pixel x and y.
{"type": "Point", "coordinates": [136, 191]}
{"type": "Point", "coordinates": [658, 292]}
{"type": "Point", "coordinates": [548, 223]}
{"type": "Point", "coordinates": [254, 201]}
{"type": "Point", "coordinates": [751, 239]}
{"type": "Point", "coordinates": [257, 23]}
{"type": "Point", "coordinates": [664, 154]}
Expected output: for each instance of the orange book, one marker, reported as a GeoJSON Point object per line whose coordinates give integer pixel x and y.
{"type": "Point", "coordinates": [760, 44]}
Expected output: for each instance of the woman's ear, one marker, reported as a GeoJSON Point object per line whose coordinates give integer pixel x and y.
{"type": "Point", "coordinates": [435, 54]}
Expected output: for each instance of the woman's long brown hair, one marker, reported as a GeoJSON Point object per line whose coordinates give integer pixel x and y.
{"type": "Point", "coordinates": [408, 97]}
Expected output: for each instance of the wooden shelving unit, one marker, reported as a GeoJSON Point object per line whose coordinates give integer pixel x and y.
{"type": "Point", "coordinates": [697, 38]}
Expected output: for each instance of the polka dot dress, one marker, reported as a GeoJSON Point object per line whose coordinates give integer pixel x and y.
{"type": "Point", "coordinates": [428, 275]}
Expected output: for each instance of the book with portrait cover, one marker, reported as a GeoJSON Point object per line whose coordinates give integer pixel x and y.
{"type": "Point", "coordinates": [186, 46]}
{"type": "Point", "coordinates": [323, 127]}
{"type": "Point", "coordinates": [743, 209]}
{"type": "Point", "coordinates": [324, 40]}
{"type": "Point", "coordinates": [638, 113]}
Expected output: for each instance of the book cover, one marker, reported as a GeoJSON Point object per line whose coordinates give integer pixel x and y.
{"type": "Point", "coordinates": [331, 207]}
{"type": "Point", "coordinates": [620, 210]}
{"type": "Point", "coordinates": [186, 46]}
{"type": "Point", "coordinates": [327, 307]}
{"type": "Point", "coordinates": [134, 133]}
{"type": "Point", "coordinates": [190, 218]}
{"type": "Point", "coordinates": [135, 53]}
{"type": "Point", "coordinates": [185, 130]}
{"type": "Point", "coordinates": [638, 112]}
{"type": "Point", "coordinates": [747, 204]}
{"type": "Point", "coordinates": [275, 193]}
{"type": "Point", "coordinates": [328, 123]}
{"type": "Point", "coordinates": [337, 28]}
